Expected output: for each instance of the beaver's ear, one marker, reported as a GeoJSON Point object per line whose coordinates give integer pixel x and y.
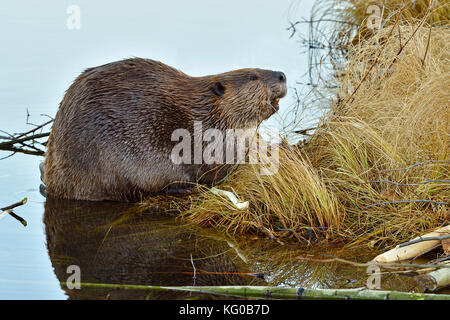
{"type": "Point", "coordinates": [218, 89]}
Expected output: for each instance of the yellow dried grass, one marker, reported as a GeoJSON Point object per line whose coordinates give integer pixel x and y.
{"type": "Point", "coordinates": [345, 181]}
{"type": "Point", "coordinates": [399, 116]}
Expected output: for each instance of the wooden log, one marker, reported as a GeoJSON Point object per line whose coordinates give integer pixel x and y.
{"type": "Point", "coordinates": [413, 250]}
{"type": "Point", "coordinates": [446, 246]}
{"type": "Point", "coordinates": [313, 294]}
{"type": "Point", "coordinates": [437, 279]}
{"type": "Point", "coordinates": [263, 292]}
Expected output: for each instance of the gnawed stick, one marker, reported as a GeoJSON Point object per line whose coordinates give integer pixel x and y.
{"type": "Point", "coordinates": [232, 197]}
{"type": "Point", "coordinates": [5, 213]}
{"type": "Point", "coordinates": [8, 210]}
{"type": "Point", "coordinates": [437, 279]}
{"type": "Point", "coordinates": [446, 246]}
{"type": "Point", "coordinates": [414, 249]}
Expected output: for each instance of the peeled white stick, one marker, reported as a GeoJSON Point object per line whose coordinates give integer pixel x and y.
{"type": "Point", "coordinates": [238, 252]}
{"type": "Point", "coordinates": [5, 213]}
{"type": "Point", "coordinates": [238, 204]}
{"type": "Point", "coordinates": [412, 250]}
{"type": "Point", "coordinates": [436, 279]}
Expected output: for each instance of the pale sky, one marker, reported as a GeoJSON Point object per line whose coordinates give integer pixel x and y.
{"type": "Point", "coordinates": [40, 56]}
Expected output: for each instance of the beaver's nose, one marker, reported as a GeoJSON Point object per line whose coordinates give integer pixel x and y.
{"type": "Point", "coordinates": [280, 76]}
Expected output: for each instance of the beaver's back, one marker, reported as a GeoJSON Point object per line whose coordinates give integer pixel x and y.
{"type": "Point", "coordinates": [112, 122]}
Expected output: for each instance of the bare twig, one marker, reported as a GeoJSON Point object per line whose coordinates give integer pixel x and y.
{"type": "Point", "coordinates": [428, 45]}
{"type": "Point", "coordinates": [375, 62]}
{"type": "Point", "coordinates": [406, 201]}
{"type": "Point", "coordinates": [15, 140]}
{"type": "Point", "coordinates": [35, 129]}
{"type": "Point", "coordinates": [15, 205]}
{"type": "Point", "coordinates": [384, 265]}
{"type": "Point", "coordinates": [443, 259]}
{"type": "Point", "coordinates": [9, 211]}
{"type": "Point", "coordinates": [25, 142]}
{"type": "Point", "coordinates": [409, 39]}
{"type": "Point", "coordinates": [399, 37]}
{"type": "Point", "coordinates": [195, 270]}
{"type": "Point", "coordinates": [293, 24]}
{"type": "Point", "coordinates": [305, 131]}
{"type": "Point", "coordinates": [409, 184]}
{"type": "Point", "coordinates": [404, 244]}
{"type": "Point", "coordinates": [419, 164]}
{"type": "Point", "coordinates": [24, 151]}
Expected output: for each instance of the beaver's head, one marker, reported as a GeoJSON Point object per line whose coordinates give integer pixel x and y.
{"type": "Point", "coordinates": [246, 97]}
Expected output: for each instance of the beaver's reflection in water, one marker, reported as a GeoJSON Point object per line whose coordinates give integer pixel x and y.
{"type": "Point", "coordinates": [120, 243]}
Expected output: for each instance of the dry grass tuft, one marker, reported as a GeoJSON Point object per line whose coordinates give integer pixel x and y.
{"type": "Point", "coordinates": [348, 180]}
{"type": "Point", "coordinates": [292, 202]}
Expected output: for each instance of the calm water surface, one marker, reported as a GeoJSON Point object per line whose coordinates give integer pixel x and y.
{"type": "Point", "coordinates": [112, 242]}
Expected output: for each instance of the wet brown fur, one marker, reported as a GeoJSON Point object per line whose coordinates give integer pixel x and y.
{"type": "Point", "coordinates": [111, 139]}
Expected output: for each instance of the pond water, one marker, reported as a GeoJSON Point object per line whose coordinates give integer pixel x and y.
{"type": "Point", "coordinates": [113, 242]}
{"type": "Point", "coordinates": [116, 243]}
{"type": "Point", "coordinates": [130, 244]}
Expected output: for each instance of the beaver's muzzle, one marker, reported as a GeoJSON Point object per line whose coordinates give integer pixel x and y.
{"type": "Point", "coordinates": [280, 76]}
{"type": "Point", "coordinates": [279, 89]}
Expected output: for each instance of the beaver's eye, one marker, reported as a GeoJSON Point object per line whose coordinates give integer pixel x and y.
{"type": "Point", "coordinates": [254, 77]}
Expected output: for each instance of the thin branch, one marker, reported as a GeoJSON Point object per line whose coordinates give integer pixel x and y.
{"type": "Point", "coordinates": [15, 205]}
{"type": "Point", "coordinates": [407, 201]}
{"type": "Point", "coordinates": [18, 218]}
{"type": "Point", "coordinates": [13, 141]}
{"type": "Point", "coordinates": [305, 131]}
{"type": "Point", "coordinates": [34, 130]}
{"type": "Point", "coordinates": [409, 39]}
{"type": "Point", "coordinates": [375, 62]}
{"type": "Point", "coordinates": [443, 259]}
{"type": "Point", "coordinates": [367, 264]}
{"type": "Point", "coordinates": [25, 142]}
{"type": "Point", "coordinates": [24, 151]}
{"type": "Point", "coordinates": [409, 184]}
{"type": "Point", "coordinates": [8, 156]}
{"type": "Point", "coordinates": [428, 45]}
{"type": "Point", "coordinates": [404, 244]}
{"type": "Point", "coordinates": [419, 164]}
{"type": "Point", "coordinates": [9, 211]}
{"type": "Point", "coordinates": [194, 277]}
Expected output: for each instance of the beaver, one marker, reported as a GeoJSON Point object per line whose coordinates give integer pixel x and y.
{"type": "Point", "coordinates": [112, 135]}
